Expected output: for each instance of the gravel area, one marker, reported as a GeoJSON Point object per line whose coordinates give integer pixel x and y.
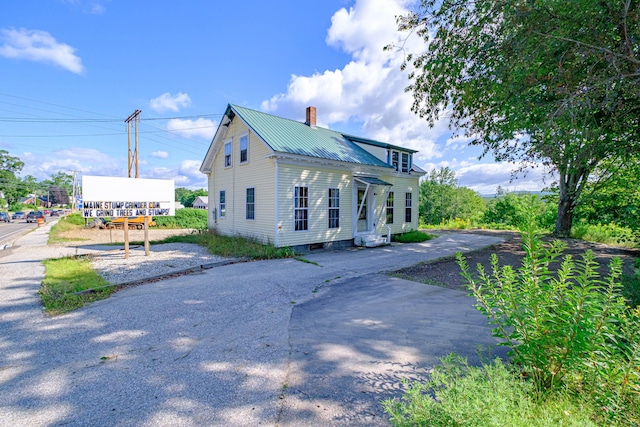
{"type": "Point", "coordinates": [163, 259]}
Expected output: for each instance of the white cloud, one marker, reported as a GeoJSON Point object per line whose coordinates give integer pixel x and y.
{"type": "Point", "coordinates": [39, 46]}
{"type": "Point", "coordinates": [160, 154]}
{"type": "Point", "coordinates": [187, 174]}
{"type": "Point", "coordinates": [200, 128]}
{"type": "Point", "coordinates": [486, 177]}
{"type": "Point", "coordinates": [86, 161]}
{"type": "Point", "coordinates": [93, 7]}
{"type": "Point", "coordinates": [369, 89]}
{"type": "Point", "coordinates": [168, 102]}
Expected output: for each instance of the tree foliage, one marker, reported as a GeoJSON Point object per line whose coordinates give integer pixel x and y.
{"type": "Point", "coordinates": [187, 197]}
{"type": "Point", "coordinates": [9, 182]}
{"type": "Point", "coordinates": [550, 82]}
{"type": "Point", "coordinates": [441, 199]}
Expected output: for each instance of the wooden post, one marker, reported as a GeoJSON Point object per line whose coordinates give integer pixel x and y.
{"type": "Point", "coordinates": [146, 236]}
{"type": "Point", "coordinates": [126, 237]}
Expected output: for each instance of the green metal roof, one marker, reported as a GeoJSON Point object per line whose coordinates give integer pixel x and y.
{"type": "Point", "coordinates": [292, 137]}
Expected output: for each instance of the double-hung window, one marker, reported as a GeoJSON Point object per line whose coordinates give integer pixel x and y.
{"type": "Point", "coordinates": [334, 208]}
{"type": "Point", "coordinates": [227, 154]}
{"type": "Point", "coordinates": [244, 148]}
{"type": "Point", "coordinates": [407, 207]}
{"type": "Point", "coordinates": [405, 162]}
{"type": "Point", "coordinates": [301, 208]}
{"type": "Point", "coordinates": [390, 208]}
{"type": "Point", "coordinates": [251, 203]}
{"type": "Point", "coordinates": [395, 159]}
{"type": "Point", "coordinates": [223, 203]}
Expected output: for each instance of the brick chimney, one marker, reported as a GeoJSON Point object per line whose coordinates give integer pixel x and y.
{"type": "Point", "coordinates": [311, 117]}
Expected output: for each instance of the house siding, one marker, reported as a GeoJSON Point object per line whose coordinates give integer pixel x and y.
{"type": "Point", "coordinates": [400, 185]}
{"type": "Point", "coordinates": [318, 181]}
{"type": "Point", "coordinates": [257, 173]}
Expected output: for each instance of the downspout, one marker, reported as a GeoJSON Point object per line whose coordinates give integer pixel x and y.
{"type": "Point", "coordinates": [277, 238]}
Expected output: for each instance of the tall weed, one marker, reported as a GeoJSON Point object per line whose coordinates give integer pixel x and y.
{"type": "Point", "coordinates": [566, 330]}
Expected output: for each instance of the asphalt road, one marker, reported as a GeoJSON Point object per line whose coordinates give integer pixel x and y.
{"type": "Point", "coordinates": [278, 343]}
{"type": "Point", "coordinates": [10, 231]}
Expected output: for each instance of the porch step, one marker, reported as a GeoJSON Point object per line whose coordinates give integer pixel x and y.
{"type": "Point", "coordinates": [370, 240]}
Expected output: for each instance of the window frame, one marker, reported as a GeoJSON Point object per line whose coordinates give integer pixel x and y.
{"type": "Point", "coordinates": [405, 162]}
{"type": "Point", "coordinates": [222, 204]}
{"type": "Point", "coordinates": [395, 159]}
{"type": "Point", "coordinates": [333, 207]}
{"type": "Point", "coordinates": [389, 212]}
{"type": "Point", "coordinates": [250, 206]}
{"type": "Point", "coordinates": [408, 198]}
{"type": "Point", "coordinates": [246, 150]}
{"type": "Point", "coordinates": [228, 162]}
{"type": "Point", "coordinates": [300, 208]}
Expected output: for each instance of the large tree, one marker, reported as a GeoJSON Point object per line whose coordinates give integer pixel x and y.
{"type": "Point", "coordinates": [550, 82]}
{"type": "Point", "coordinates": [9, 182]}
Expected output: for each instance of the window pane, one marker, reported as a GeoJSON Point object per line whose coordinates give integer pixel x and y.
{"type": "Point", "coordinates": [390, 208]}
{"type": "Point", "coordinates": [223, 204]}
{"type": "Point", "coordinates": [334, 205]}
{"type": "Point", "coordinates": [244, 149]}
{"type": "Point", "coordinates": [405, 162]}
{"type": "Point", "coordinates": [251, 212]}
{"type": "Point", "coordinates": [301, 208]}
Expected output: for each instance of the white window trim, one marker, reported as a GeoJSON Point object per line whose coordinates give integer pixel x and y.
{"type": "Point", "coordinates": [246, 204]}
{"type": "Point", "coordinates": [240, 149]}
{"type": "Point", "coordinates": [330, 208]}
{"type": "Point", "coordinates": [224, 158]}
{"type": "Point", "coordinates": [220, 211]}
{"type": "Point", "coordinates": [301, 209]}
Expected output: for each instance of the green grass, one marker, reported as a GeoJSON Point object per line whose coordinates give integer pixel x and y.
{"type": "Point", "coordinates": [413, 236]}
{"type": "Point", "coordinates": [64, 277]}
{"type": "Point", "coordinates": [236, 247]}
{"type": "Point", "coordinates": [491, 395]}
{"type": "Point", "coordinates": [610, 234]}
{"type": "Point", "coordinates": [66, 223]}
{"type": "Point", "coordinates": [184, 218]}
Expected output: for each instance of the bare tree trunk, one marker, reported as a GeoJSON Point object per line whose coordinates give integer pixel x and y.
{"type": "Point", "coordinates": [571, 186]}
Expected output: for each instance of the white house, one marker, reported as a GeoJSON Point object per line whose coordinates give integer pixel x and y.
{"type": "Point", "coordinates": [296, 184]}
{"type": "Point", "coordinates": [201, 202]}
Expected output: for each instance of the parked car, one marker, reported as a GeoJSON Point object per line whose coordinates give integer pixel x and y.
{"type": "Point", "coordinates": [5, 217]}
{"type": "Point", "coordinates": [19, 215]}
{"type": "Point", "coordinates": [34, 216]}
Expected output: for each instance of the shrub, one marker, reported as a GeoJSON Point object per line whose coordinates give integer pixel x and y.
{"type": "Point", "coordinates": [571, 330]}
{"type": "Point", "coordinates": [413, 236]}
{"type": "Point", "coordinates": [184, 218]}
{"type": "Point", "coordinates": [611, 234]}
{"type": "Point", "coordinates": [492, 395]}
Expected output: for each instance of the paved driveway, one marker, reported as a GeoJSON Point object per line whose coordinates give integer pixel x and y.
{"type": "Point", "coordinates": [263, 343]}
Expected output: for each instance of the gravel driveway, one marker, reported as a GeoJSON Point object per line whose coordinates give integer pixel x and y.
{"type": "Point", "coordinates": [262, 343]}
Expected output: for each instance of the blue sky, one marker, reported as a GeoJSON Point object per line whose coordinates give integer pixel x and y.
{"type": "Point", "coordinates": [71, 72]}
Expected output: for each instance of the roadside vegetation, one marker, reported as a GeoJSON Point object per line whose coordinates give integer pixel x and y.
{"type": "Point", "coordinates": [65, 279]}
{"type": "Point", "coordinates": [413, 236]}
{"type": "Point", "coordinates": [574, 341]}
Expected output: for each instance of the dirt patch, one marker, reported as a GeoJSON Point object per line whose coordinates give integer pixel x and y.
{"type": "Point", "coordinates": [91, 236]}
{"type": "Point", "coordinates": [445, 272]}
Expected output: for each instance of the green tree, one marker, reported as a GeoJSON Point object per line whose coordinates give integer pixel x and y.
{"type": "Point", "coordinates": [441, 199]}
{"type": "Point", "coordinates": [9, 182]}
{"type": "Point", "coordinates": [188, 200]}
{"type": "Point", "coordinates": [61, 180]}
{"type": "Point", "coordinates": [613, 196]}
{"type": "Point", "coordinates": [550, 81]}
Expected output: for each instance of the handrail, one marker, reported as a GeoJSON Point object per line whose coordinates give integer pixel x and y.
{"type": "Point", "coordinates": [388, 233]}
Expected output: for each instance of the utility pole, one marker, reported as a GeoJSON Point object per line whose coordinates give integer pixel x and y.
{"type": "Point", "coordinates": [132, 157]}
{"type": "Point", "coordinates": [73, 191]}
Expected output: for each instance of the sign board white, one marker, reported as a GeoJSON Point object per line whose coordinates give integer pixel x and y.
{"type": "Point", "coordinates": [107, 196]}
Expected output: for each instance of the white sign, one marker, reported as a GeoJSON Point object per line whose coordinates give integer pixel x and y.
{"type": "Point", "coordinates": [107, 196]}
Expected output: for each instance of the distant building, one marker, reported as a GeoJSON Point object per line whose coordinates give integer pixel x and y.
{"type": "Point", "coordinates": [201, 202]}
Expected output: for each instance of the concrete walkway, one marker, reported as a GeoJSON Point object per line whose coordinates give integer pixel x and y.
{"type": "Point", "coordinates": [278, 342]}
